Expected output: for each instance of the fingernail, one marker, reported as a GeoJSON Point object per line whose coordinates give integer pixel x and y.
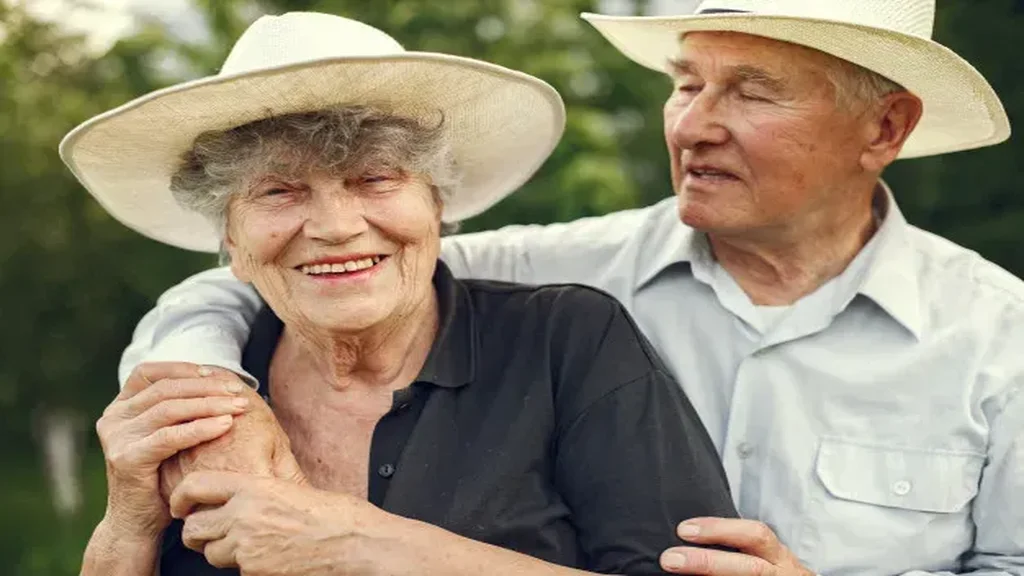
{"type": "Point", "coordinates": [234, 387]}
{"type": "Point", "coordinates": [673, 560]}
{"type": "Point", "coordinates": [204, 371]}
{"type": "Point", "coordinates": [240, 402]}
{"type": "Point", "coordinates": [688, 530]}
{"type": "Point", "coordinates": [224, 420]}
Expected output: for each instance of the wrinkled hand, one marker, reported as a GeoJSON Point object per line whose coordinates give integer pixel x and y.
{"type": "Point", "coordinates": [269, 526]}
{"type": "Point", "coordinates": [759, 551]}
{"type": "Point", "coordinates": [162, 409]}
{"type": "Point", "coordinates": [256, 444]}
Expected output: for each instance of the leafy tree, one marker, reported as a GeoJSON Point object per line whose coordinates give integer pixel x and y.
{"type": "Point", "coordinates": [73, 282]}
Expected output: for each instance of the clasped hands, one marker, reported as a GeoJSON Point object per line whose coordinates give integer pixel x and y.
{"type": "Point", "coordinates": [246, 503]}
{"type": "Point", "coordinates": [243, 498]}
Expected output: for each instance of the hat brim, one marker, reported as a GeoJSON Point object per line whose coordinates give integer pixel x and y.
{"type": "Point", "coordinates": [961, 110]}
{"type": "Point", "coordinates": [504, 125]}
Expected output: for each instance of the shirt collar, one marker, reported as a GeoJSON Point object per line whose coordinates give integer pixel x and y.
{"type": "Point", "coordinates": [891, 280]}
{"type": "Point", "coordinates": [452, 359]}
{"type": "Point", "coordinates": [670, 242]}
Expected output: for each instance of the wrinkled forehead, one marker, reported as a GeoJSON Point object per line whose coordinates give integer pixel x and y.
{"type": "Point", "coordinates": [705, 51]}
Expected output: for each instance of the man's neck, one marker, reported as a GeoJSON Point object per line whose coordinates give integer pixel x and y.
{"type": "Point", "coordinates": [779, 267]}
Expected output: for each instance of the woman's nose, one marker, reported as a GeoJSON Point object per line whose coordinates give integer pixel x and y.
{"type": "Point", "coordinates": [335, 214]}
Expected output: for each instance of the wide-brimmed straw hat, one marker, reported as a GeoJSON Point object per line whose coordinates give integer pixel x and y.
{"type": "Point", "coordinates": [890, 37]}
{"type": "Point", "coordinates": [504, 123]}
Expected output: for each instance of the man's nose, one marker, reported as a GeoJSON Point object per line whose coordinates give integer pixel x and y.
{"type": "Point", "coordinates": [697, 123]}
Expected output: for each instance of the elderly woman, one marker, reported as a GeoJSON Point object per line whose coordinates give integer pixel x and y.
{"type": "Point", "coordinates": [429, 425]}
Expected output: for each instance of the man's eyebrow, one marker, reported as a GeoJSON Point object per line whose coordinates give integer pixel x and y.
{"type": "Point", "coordinates": [677, 67]}
{"type": "Point", "coordinates": [746, 73]}
{"type": "Point", "coordinates": [741, 73]}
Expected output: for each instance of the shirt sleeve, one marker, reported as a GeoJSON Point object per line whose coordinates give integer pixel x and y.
{"type": "Point", "coordinates": [998, 508]}
{"type": "Point", "coordinates": [204, 320]}
{"type": "Point", "coordinates": [572, 252]}
{"type": "Point", "coordinates": [635, 460]}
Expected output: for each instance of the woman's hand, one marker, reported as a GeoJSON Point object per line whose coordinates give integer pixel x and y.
{"type": "Point", "coordinates": [268, 526]}
{"type": "Point", "coordinates": [256, 444]}
{"type": "Point", "coordinates": [162, 409]}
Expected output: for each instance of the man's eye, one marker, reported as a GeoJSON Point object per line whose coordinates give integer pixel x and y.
{"type": "Point", "coordinates": [274, 191]}
{"type": "Point", "coordinates": [689, 88]}
{"type": "Point", "coordinates": [376, 179]}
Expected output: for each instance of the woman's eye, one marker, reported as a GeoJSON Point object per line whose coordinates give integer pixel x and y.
{"type": "Point", "coordinates": [274, 191]}
{"type": "Point", "coordinates": [689, 88]}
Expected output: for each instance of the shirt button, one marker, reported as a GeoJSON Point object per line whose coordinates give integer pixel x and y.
{"type": "Point", "coordinates": [386, 471]}
{"type": "Point", "coordinates": [901, 488]}
{"type": "Point", "coordinates": [744, 450]}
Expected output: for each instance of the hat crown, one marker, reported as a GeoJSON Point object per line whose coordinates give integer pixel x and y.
{"type": "Point", "coordinates": [296, 37]}
{"type": "Point", "coordinates": [914, 17]}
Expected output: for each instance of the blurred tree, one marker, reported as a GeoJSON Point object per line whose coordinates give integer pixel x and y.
{"type": "Point", "coordinates": [73, 282]}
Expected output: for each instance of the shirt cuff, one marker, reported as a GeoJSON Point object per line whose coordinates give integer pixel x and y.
{"type": "Point", "coordinates": [203, 344]}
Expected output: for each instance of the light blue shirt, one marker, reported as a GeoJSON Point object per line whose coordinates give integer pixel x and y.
{"type": "Point", "coordinates": [876, 425]}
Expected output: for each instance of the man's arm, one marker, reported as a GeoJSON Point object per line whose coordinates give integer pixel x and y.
{"type": "Point", "coordinates": [999, 507]}
{"type": "Point", "coordinates": [205, 319]}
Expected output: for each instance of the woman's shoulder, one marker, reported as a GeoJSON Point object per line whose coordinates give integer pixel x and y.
{"type": "Point", "coordinates": [583, 327]}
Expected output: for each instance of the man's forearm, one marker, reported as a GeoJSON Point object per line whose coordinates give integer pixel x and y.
{"type": "Point", "coordinates": [111, 554]}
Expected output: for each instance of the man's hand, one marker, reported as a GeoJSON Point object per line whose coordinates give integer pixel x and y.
{"type": "Point", "coordinates": [759, 551]}
{"type": "Point", "coordinates": [255, 445]}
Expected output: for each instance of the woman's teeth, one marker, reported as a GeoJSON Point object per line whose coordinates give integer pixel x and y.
{"type": "Point", "coordinates": [341, 267]}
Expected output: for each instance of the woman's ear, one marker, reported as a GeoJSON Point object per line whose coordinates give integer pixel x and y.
{"type": "Point", "coordinates": [235, 260]}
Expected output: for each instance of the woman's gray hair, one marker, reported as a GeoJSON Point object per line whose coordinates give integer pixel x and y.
{"type": "Point", "coordinates": [335, 140]}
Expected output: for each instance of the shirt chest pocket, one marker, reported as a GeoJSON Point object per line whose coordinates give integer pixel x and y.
{"type": "Point", "coordinates": [935, 481]}
{"type": "Point", "coordinates": [884, 505]}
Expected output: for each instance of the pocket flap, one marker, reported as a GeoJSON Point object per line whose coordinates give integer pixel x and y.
{"type": "Point", "coordinates": [910, 478]}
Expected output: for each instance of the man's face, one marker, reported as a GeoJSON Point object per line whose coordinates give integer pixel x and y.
{"type": "Point", "coordinates": [756, 139]}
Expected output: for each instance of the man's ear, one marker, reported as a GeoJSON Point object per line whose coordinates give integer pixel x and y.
{"type": "Point", "coordinates": [895, 118]}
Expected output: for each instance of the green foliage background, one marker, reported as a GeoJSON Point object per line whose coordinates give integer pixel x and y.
{"type": "Point", "coordinates": [73, 282]}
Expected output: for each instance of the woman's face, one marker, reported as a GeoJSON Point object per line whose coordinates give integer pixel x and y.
{"type": "Point", "coordinates": [336, 253]}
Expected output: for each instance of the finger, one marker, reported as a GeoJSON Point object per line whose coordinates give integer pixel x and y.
{"type": "Point", "coordinates": [179, 411]}
{"type": "Point", "coordinates": [205, 487]}
{"type": "Point", "coordinates": [204, 526]}
{"type": "Point", "coordinates": [145, 375]}
{"type": "Point", "coordinates": [168, 441]}
{"type": "Point", "coordinates": [685, 560]}
{"type": "Point", "coordinates": [168, 389]}
{"type": "Point", "coordinates": [747, 536]}
{"type": "Point", "coordinates": [221, 553]}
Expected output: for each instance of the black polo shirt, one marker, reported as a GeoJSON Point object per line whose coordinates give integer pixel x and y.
{"type": "Point", "coordinates": [542, 422]}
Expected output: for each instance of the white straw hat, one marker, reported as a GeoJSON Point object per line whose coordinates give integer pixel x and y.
{"type": "Point", "coordinates": [890, 37]}
{"type": "Point", "coordinates": [504, 123]}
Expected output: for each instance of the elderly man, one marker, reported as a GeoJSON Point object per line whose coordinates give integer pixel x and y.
{"type": "Point", "coordinates": [861, 378]}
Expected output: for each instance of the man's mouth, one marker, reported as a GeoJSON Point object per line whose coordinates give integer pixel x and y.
{"type": "Point", "coordinates": [709, 174]}
{"type": "Point", "coordinates": [341, 267]}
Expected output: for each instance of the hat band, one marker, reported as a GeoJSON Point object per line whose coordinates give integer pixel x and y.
{"type": "Point", "coordinates": [722, 11]}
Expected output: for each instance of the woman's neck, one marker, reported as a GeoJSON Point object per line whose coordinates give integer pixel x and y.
{"type": "Point", "coordinates": [388, 355]}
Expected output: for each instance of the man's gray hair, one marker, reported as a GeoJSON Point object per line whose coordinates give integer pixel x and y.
{"type": "Point", "coordinates": [335, 140]}
{"type": "Point", "coordinates": [855, 84]}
